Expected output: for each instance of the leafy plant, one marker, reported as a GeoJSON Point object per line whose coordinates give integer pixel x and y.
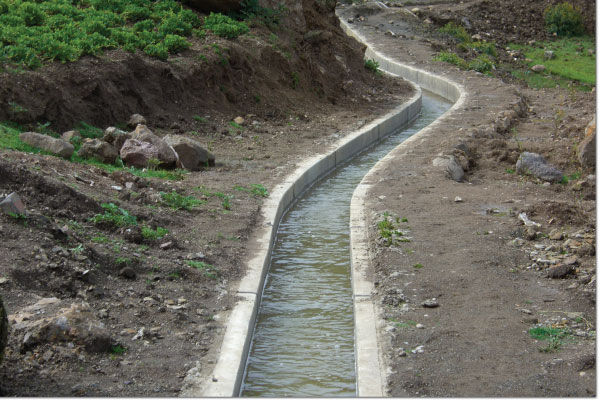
{"type": "Point", "coordinates": [372, 65]}
{"type": "Point", "coordinates": [418, 266]}
{"type": "Point", "coordinates": [114, 215]}
{"type": "Point", "coordinates": [451, 58]}
{"type": "Point", "coordinates": [177, 202]}
{"type": "Point", "coordinates": [153, 234]}
{"type": "Point", "coordinates": [481, 64]}
{"type": "Point", "coordinates": [208, 270]}
{"type": "Point", "coordinates": [118, 349]}
{"type": "Point", "coordinates": [550, 334]}
{"type": "Point", "coordinates": [224, 26]}
{"type": "Point", "coordinates": [295, 80]}
{"type": "Point", "coordinates": [564, 19]}
{"type": "Point", "coordinates": [456, 31]}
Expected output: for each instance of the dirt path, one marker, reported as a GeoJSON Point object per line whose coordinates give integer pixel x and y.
{"type": "Point", "coordinates": [488, 289]}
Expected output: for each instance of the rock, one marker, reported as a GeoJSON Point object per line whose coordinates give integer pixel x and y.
{"type": "Point", "coordinates": [585, 249]}
{"type": "Point", "coordinates": [534, 164]}
{"type": "Point", "coordinates": [560, 271]}
{"type": "Point", "coordinates": [458, 199]}
{"type": "Point", "coordinates": [518, 242]}
{"type": "Point", "coordinates": [549, 55]}
{"type": "Point", "coordinates": [135, 120]}
{"type": "Point", "coordinates": [59, 147]}
{"type": "Point", "coordinates": [476, 37]}
{"type": "Point", "coordinates": [191, 153]}
{"type": "Point", "coordinates": [166, 154]}
{"type": "Point", "coordinates": [430, 303]}
{"type": "Point", "coordinates": [70, 135]}
{"type": "Point", "coordinates": [555, 234]}
{"type": "Point", "coordinates": [586, 151]}
{"type": "Point", "coordinates": [127, 273]}
{"type": "Point", "coordinates": [99, 149]}
{"type": "Point", "coordinates": [530, 233]}
{"type": "Point", "coordinates": [112, 134]}
{"type": "Point", "coordinates": [51, 321]}
{"type": "Point", "coordinates": [450, 166]}
{"type": "Point", "coordinates": [572, 260]}
{"type": "Point", "coordinates": [12, 204]}
{"type": "Point", "coordinates": [3, 329]}
{"type": "Point", "coordinates": [137, 154]}
{"type": "Point", "coordinates": [538, 68]}
{"type": "Point", "coordinates": [420, 326]}
{"type": "Point", "coordinates": [166, 245]}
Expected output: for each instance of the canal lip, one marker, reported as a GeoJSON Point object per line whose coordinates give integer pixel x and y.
{"type": "Point", "coordinates": [226, 378]}
{"type": "Point", "coordinates": [371, 369]}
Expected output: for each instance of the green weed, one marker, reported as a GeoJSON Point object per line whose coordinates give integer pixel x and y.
{"type": "Point", "coordinates": [114, 215]}
{"type": "Point", "coordinates": [564, 19]}
{"type": "Point", "coordinates": [200, 119]}
{"type": "Point", "coordinates": [255, 189]}
{"type": "Point", "coordinates": [177, 202]}
{"type": "Point", "coordinates": [553, 335]}
{"type": "Point", "coordinates": [100, 239]}
{"type": "Point", "coordinates": [118, 349]}
{"type": "Point", "coordinates": [153, 234]}
{"type": "Point", "coordinates": [418, 266]}
{"type": "Point", "coordinates": [224, 26]}
{"type": "Point", "coordinates": [456, 31]}
{"type": "Point", "coordinates": [372, 66]}
{"type": "Point", "coordinates": [208, 270]}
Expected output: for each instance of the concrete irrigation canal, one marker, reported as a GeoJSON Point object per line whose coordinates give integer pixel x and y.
{"type": "Point", "coordinates": [303, 342]}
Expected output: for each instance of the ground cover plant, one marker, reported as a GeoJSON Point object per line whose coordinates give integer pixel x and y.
{"type": "Point", "coordinates": [574, 60]}
{"type": "Point", "coordinates": [483, 52]}
{"type": "Point", "coordinates": [33, 33]}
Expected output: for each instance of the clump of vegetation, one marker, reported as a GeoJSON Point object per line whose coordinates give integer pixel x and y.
{"type": "Point", "coordinates": [574, 63]}
{"type": "Point", "coordinates": [456, 31]}
{"type": "Point", "coordinates": [373, 66]}
{"type": "Point", "coordinates": [389, 230]}
{"type": "Point", "coordinates": [177, 202]}
{"type": "Point", "coordinates": [564, 19]}
{"type": "Point", "coordinates": [208, 270]}
{"type": "Point", "coordinates": [224, 26]}
{"type": "Point", "coordinates": [35, 32]}
{"type": "Point", "coordinates": [257, 190]}
{"type": "Point", "coordinates": [114, 215]}
{"type": "Point", "coordinates": [251, 10]}
{"type": "Point", "coordinates": [451, 58]}
{"type": "Point", "coordinates": [153, 234]}
{"type": "Point", "coordinates": [553, 335]}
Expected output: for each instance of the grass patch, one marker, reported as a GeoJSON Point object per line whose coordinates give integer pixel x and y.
{"type": "Point", "coordinates": [388, 230]}
{"type": "Point", "coordinates": [153, 234]}
{"type": "Point", "coordinates": [208, 270]}
{"type": "Point", "coordinates": [418, 266]}
{"type": "Point", "coordinates": [257, 190]}
{"type": "Point", "coordinates": [405, 324]}
{"type": "Point", "coordinates": [572, 62]}
{"type": "Point", "coordinates": [114, 215]}
{"type": "Point", "coordinates": [372, 66]}
{"type": "Point", "coordinates": [117, 350]}
{"type": "Point", "coordinates": [176, 201]}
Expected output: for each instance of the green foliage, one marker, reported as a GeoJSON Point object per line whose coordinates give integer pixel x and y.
{"type": "Point", "coordinates": [118, 349]}
{"type": "Point", "coordinates": [200, 119]}
{"type": "Point", "coordinates": [456, 31]}
{"type": "Point", "coordinates": [488, 48]}
{"type": "Point", "coordinates": [89, 131]}
{"type": "Point", "coordinates": [418, 266]}
{"type": "Point", "coordinates": [481, 64]}
{"type": "Point", "coordinates": [35, 32]}
{"type": "Point", "coordinates": [224, 26]}
{"type": "Point", "coordinates": [114, 215]}
{"type": "Point", "coordinates": [564, 19]}
{"type": "Point", "coordinates": [451, 58]}
{"type": "Point", "coordinates": [295, 80]}
{"type": "Point", "coordinates": [177, 202]}
{"type": "Point", "coordinates": [388, 231]}
{"type": "Point", "coordinates": [553, 335]}
{"type": "Point", "coordinates": [372, 65]}
{"type": "Point", "coordinates": [574, 61]}
{"type": "Point", "coordinates": [251, 10]}
{"type": "Point", "coordinates": [208, 270]}
{"type": "Point", "coordinates": [153, 234]}
{"type": "Point", "coordinates": [255, 189]}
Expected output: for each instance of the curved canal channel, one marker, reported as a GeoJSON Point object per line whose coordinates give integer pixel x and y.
{"type": "Point", "coordinates": [303, 342]}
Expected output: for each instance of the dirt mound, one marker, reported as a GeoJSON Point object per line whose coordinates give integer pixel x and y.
{"type": "Point", "coordinates": [252, 74]}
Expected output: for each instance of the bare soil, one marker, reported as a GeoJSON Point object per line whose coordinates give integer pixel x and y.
{"type": "Point", "coordinates": [487, 280]}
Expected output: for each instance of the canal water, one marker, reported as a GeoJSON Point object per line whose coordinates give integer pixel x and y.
{"type": "Point", "coordinates": [303, 342]}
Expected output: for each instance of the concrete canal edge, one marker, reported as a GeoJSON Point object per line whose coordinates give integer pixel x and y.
{"type": "Point", "coordinates": [226, 378]}
{"type": "Point", "coordinates": [370, 364]}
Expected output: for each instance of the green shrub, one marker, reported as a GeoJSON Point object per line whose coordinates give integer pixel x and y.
{"type": "Point", "coordinates": [372, 65]}
{"type": "Point", "coordinates": [32, 14]}
{"type": "Point", "coordinates": [488, 48]}
{"type": "Point", "coordinates": [175, 26]}
{"type": "Point", "coordinates": [451, 58]}
{"type": "Point", "coordinates": [153, 234]}
{"type": "Point", "coordinates": [175, 43]}
{"type": "Point", "coordinates": [564, 19]}
{"type": "Point", "coordinates": [114, 215]}
{"type": "Point", "coordinates": [481, 64]}
{"type": "Point", "coordinates": [456, 31]}
{"type": "Point", "coordinates": [224, 26]}
{"type": "Point", "coordinates": [157, 50]}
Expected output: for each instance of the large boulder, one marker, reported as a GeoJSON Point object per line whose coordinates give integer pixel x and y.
{"type": "Point", "coordinates": [586, 151]}
{"type": "Point", "coordinates": [166, 155]}
{"type": "Point", "coordinates": [59, 147]}
{"type": "Point", "coordinates": [534, 164]}
{"type": "Point", "coordinates": [135, 120]}
{"type": "Point", "coordinates": [192, 155]}
{"type": "Point", "coordinates": [3, 329]}
{"type": "Point", "coordinates": [96, 148]}
{"type": "Point", "coordinates": [115, 136]}
{"type": "Point", "coordinates": [137, 154]}
{"type": "Point", "coordinates": [222, 6]}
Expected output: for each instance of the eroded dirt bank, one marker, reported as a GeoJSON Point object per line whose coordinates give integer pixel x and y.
{"type": "Point", "coordinates": [462, 282]}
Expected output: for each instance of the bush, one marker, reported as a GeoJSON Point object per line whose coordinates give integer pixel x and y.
{"type": "Point", "coordinates": [176, 201]}
{"type": "Point", "coordinates": [451, 58]}
{"type": "Point", "coordinates": [175, 43]}
{"type": "Point", "coordinates": [372, 65]}
{"type": "Point", "coordinates": [157, 50]}
{"type": "Point", "coordinates": [114, 215]}
{"type": "Point", "coordinates": [456, 31]}
{"type": "Point", "coordinates": [222, 25]}
{"type": "Point", "coordinates": [564, 20]}
{"type": "Point", "coordinates": [151, 234]}
{"type": "Point", "coordinates": [481, 64]}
